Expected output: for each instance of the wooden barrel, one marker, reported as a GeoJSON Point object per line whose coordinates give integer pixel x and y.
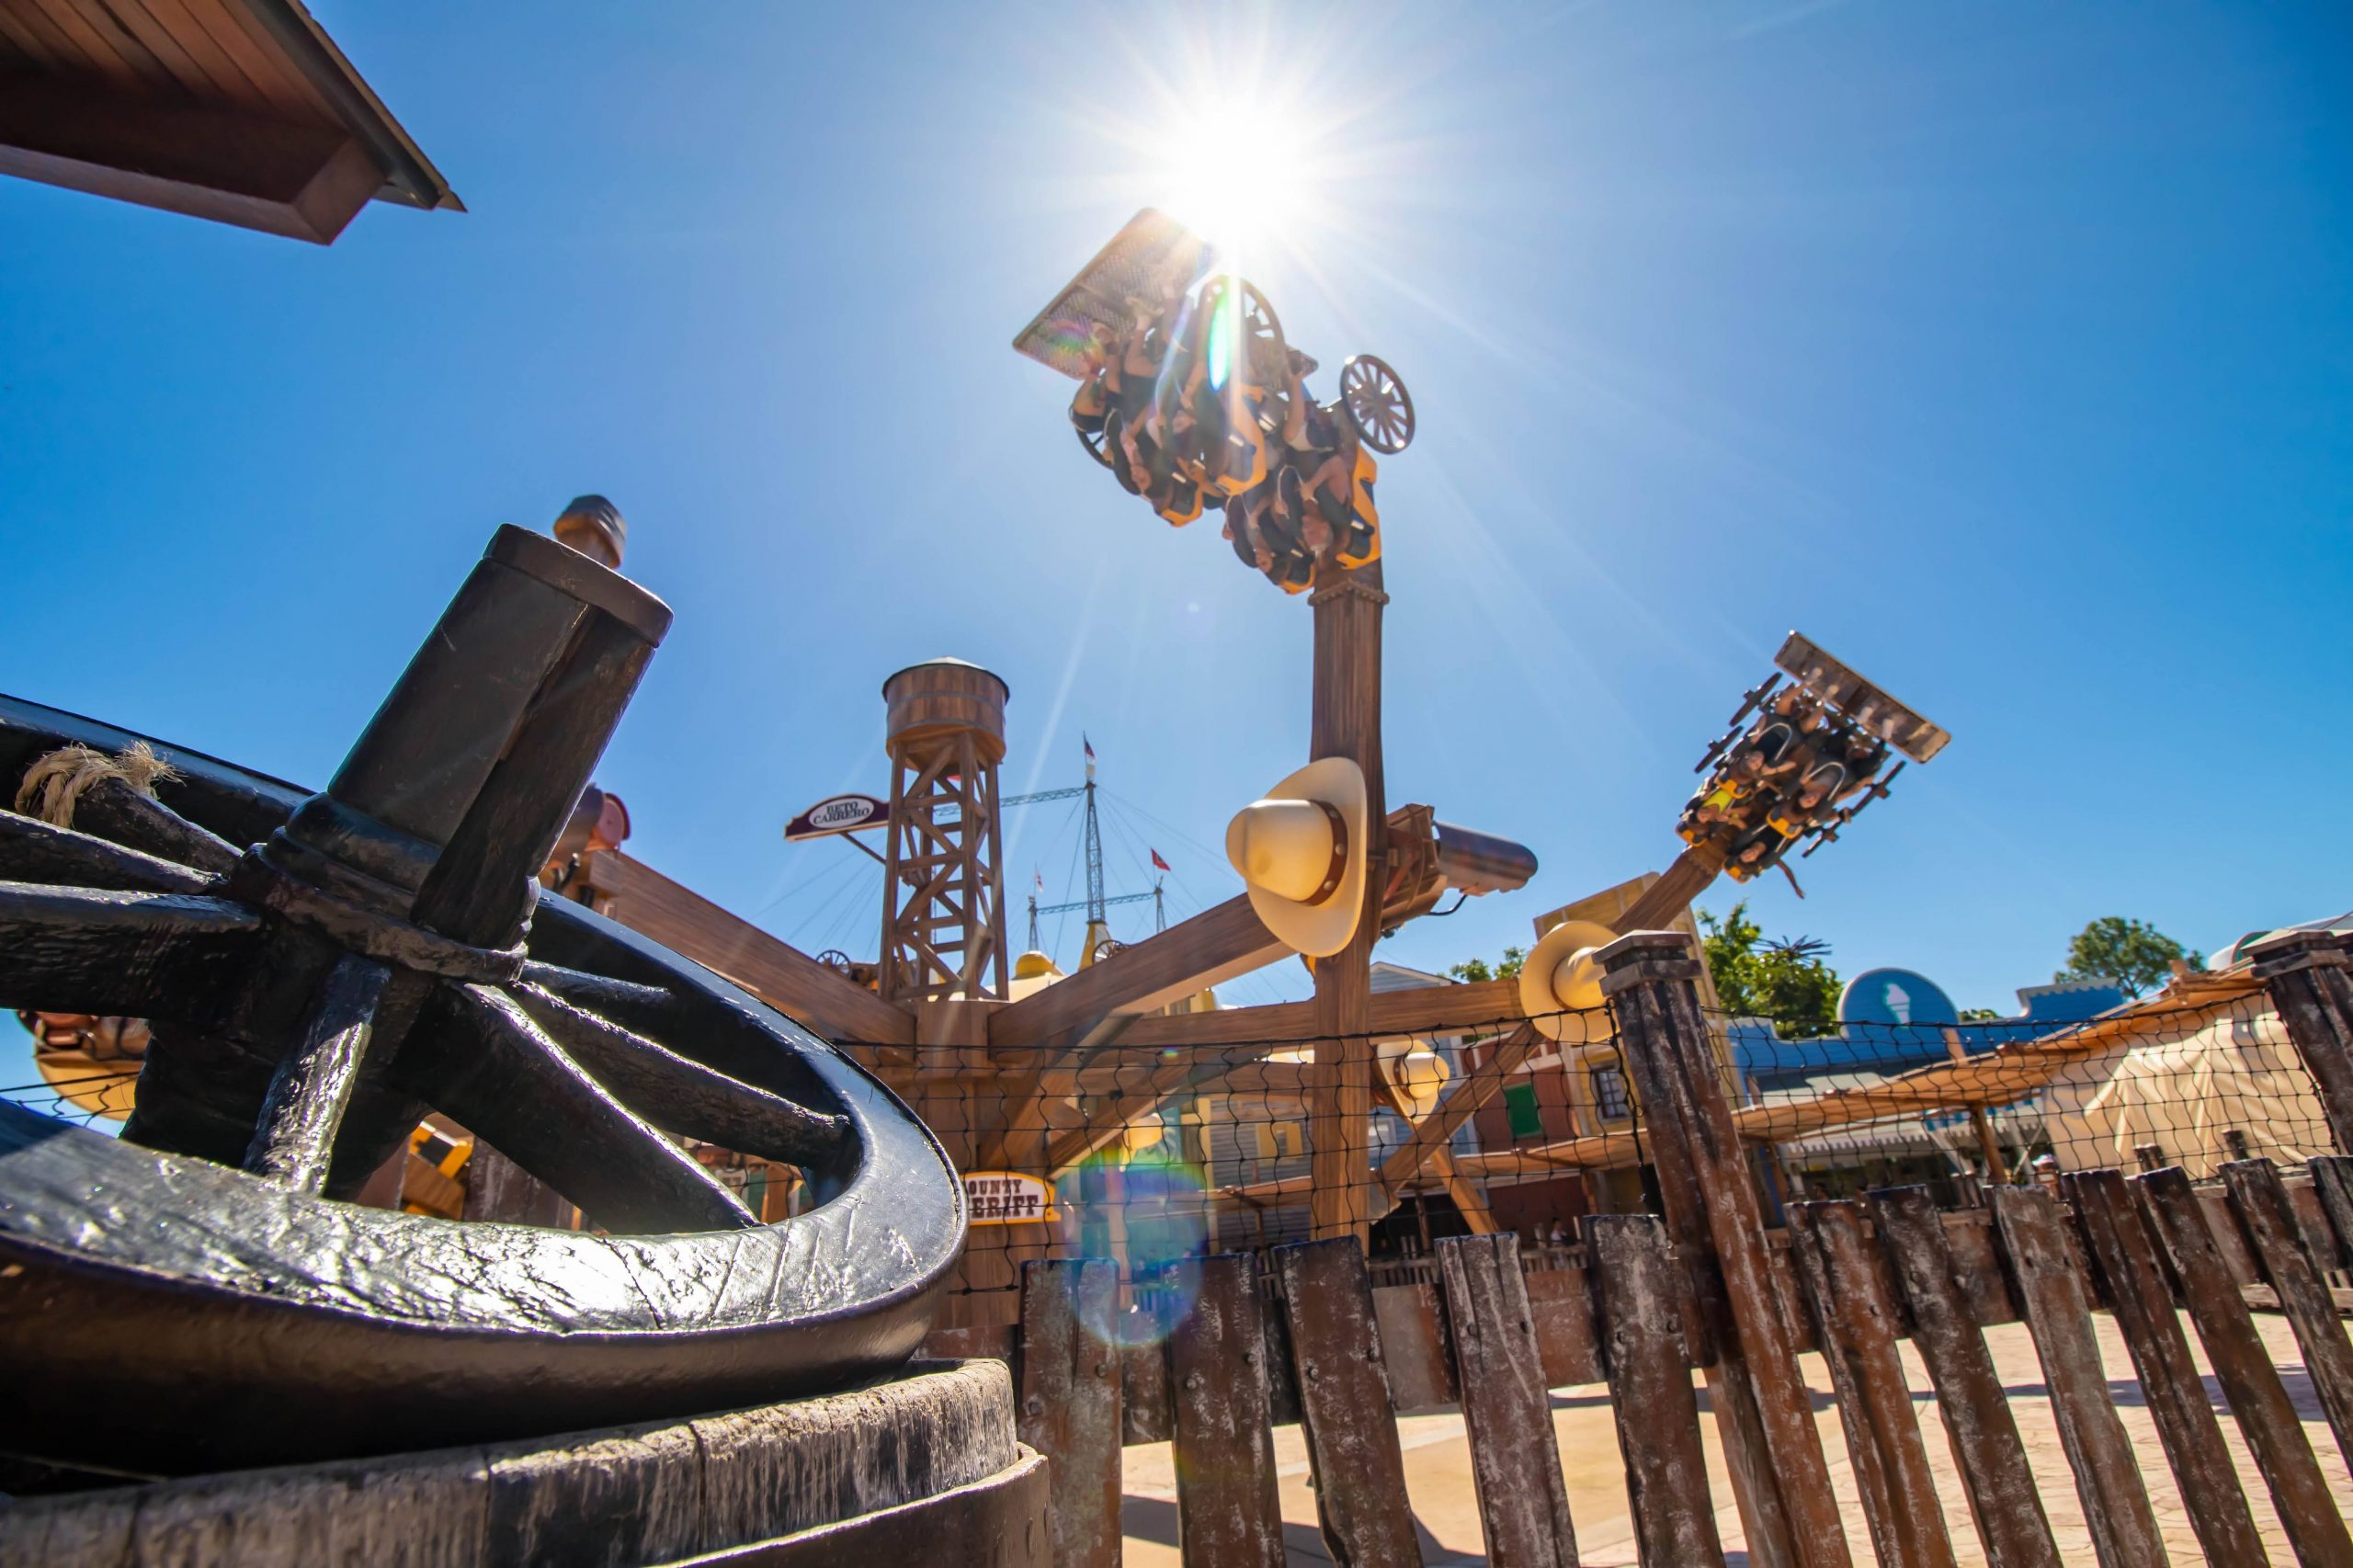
{"type": "Point", "coordinates": [941, 697]}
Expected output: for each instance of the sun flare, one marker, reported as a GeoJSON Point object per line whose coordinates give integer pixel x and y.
{"type": "Point", "coordinates": [1237, 172]}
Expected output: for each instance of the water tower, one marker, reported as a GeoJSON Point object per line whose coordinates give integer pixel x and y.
{"type": "Point", "coordinates": [943, 910]}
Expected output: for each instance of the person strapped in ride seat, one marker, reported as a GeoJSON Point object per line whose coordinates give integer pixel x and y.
{"type": "Point", "coordinates": [1097, 392]}
{"type": "Point", "coordinates": [1812, 800]}
{"type": "Point", "coordinates": [1755, 850]}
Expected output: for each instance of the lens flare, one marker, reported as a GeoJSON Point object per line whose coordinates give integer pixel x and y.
{"type": "Point", "coordinates": [1226, 331]}
{"type": "Point", "coordinates": [1150, 1209]}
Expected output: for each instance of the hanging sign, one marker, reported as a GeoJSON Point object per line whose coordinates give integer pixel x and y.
{"type": "Point", "coordinates": [843, 813]}
{"type": "Point", "coordinates": [1008, 1197]}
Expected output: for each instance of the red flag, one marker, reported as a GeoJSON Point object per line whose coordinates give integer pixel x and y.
{"type": "Point", "coordinates": [1161, 863]}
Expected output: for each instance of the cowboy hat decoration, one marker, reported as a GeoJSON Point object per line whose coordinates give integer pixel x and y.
{"type": "Point", "coordinates": [1560, 983]}
{"type": "Point", "coordinates": [1300, 853]}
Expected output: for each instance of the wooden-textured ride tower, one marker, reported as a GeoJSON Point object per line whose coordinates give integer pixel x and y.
{"type": "Point", "coordinates": [943, 911]}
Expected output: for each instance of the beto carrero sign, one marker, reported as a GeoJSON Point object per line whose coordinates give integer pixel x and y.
{"type": "Point", "coordinates": [841, 813]}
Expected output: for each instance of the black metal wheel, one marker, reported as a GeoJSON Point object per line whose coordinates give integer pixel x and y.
{"type": "Point", "coordinates": [201, 1294]}
{"type": "Point", "coordinates": [1378, 403]}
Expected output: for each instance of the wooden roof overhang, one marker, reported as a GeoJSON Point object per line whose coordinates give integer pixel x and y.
{"type": "Point", "coordinates": [242, 111]}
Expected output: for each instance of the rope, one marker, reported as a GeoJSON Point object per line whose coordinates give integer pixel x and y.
{"type": "Point", "coordinates": [59, 779]}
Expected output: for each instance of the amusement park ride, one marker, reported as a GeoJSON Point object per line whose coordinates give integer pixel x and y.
{"type": "Point", "coordinates": [318, 972]}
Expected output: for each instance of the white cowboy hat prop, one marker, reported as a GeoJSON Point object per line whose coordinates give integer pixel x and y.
{"type": "Point", "coordinates": [1560, 983]}
{"type": "Point", "coordinates": [1300, 854]}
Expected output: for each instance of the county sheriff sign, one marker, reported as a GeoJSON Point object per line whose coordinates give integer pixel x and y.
{"type": "Point", "coordinates": [842, 813]}
{"type": "Point", "coordinates": [1007, 1198]}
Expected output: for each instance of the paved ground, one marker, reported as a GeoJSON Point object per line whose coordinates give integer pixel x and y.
{"type": "Point", "coordinates": [1438, 1468]}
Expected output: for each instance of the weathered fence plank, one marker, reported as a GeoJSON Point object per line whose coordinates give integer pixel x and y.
{"type": "Point", "coordinates": [2312, 1224]}
{"type": "Point", "coordinates": [1227, 1512]}
{"type": "Point", "coordinates": [2059, 1317]}
{"type": "Point", "coordinates": [1639, 1314]}
{"type": "Point", "coordinates": [1343, 1404]}
{"type": "Point", "coordinates": [1984, 1284]}
{"type": "Point", "coordinates": [2270, 1224]}
{"type": "Point", "coordinates": [1420, 1376]}
{"type": "Point", "coordinates": [2120, 1248]}
{"type": "Point", "coordinates": [2333, 1184]}
{"type": "Point", "coordinates": [1144, 1414]}
{"type": "Point", "coordinates": [1070, 1402]}
{"type": "Point", "coordinates": [1855, 1321]}
{"type": "Point", "coordinates": [1649, 981]}
{"type": "Point", "coordinates": [1282, 1379]}
{"type": "Point", "coordinates": [1515, 1456]}
{"type": "Point", "coordinates": [1995, 1474]}
{"type": "Point", "coordinates": [1563, 1317]}
{"type": "Point", "coordinates": [2267, 1417]}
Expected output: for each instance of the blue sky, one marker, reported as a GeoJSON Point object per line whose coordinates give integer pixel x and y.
{"type": "Point", "coordinates": [2006, 350]}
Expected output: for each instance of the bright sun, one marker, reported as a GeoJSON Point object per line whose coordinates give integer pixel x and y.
{"type": "Point", "coordinates": [1234, 173]}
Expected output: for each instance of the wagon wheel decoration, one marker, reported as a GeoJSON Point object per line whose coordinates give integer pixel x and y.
{"type": "Point", "coordinates": [1378, 403]}
{"type": "Point", "coordinates": [1261, 336]}
{"type": "Point", "coordinates": [197, 1295]}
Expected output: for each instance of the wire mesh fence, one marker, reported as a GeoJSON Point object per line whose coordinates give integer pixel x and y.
{"type": "Point", "coordinates": [1171, 1138]}
{"type": "Point", "coordinates": [1144, 1152]}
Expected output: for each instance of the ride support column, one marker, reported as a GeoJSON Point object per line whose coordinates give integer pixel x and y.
{"type": "Point", "coordinates": [1345, 722]}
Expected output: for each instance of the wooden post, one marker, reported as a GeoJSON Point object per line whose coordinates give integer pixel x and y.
{"type": "Point", "coordinates": [1345, 722]}
{"type": "Point", "coordinates": [1989, 1147]}
{"type": "Point", "coordinates": [2309, 978]}
{"type": "Point", "coordinates": [2267, 1417]}
{"type": "Point", "coordinates": [1515, 1455]}
{"type": "Point", "coordinates": [1070, 1402]}
{"type": "Point", "coordinates": [2059, 1315]}
{"type": "Point", "coordinates": [1639, 1304]}
{"type": "Point", "coordinates": [1344, 1410]}
{"type": "Point", "coordinates": [1772, 1446]}
{"type": "Point", "coordinates": [2003, 1501]}
{"type": "Point", "coordinates": [2120, 1248]}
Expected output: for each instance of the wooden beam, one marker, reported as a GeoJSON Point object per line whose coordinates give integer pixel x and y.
{"type": "Point", "coordinates": [1105, 1124]}
{"type": "Point", "coordinates": [1502, 1058]}
{"type": "Point", "coordinates": [1220, 942]}
{"type": "Point", "coordinates": [1685, 879]}
{"type": "Point", "coordinates": [1345, 722]}
{"type": "Point", "coordinates": [305, 182]}
{"type": "Point", "coordinates": [787, 980]}
{"type": "Point", "coordinates": [1425, 1010]}
{"type": "Point", "coordinates": [1467, 1199]}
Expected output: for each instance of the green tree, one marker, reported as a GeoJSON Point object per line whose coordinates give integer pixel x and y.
{"type": "Point", "coordinates": [1979, 1015]}
{"type": "Point", "coordinates": [1790, 981]}
{"type": "Point", "coordinates": [1479, 969]}
{"type": "Point", "coordinates": [2134, 953]}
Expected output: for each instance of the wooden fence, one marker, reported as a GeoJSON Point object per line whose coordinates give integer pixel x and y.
{"type": "Point", "coordinates": [1222, 1351]}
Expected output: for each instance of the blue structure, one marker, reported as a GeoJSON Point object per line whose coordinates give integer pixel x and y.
{"type": "Point", "coordinates": [1893, 1020]}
